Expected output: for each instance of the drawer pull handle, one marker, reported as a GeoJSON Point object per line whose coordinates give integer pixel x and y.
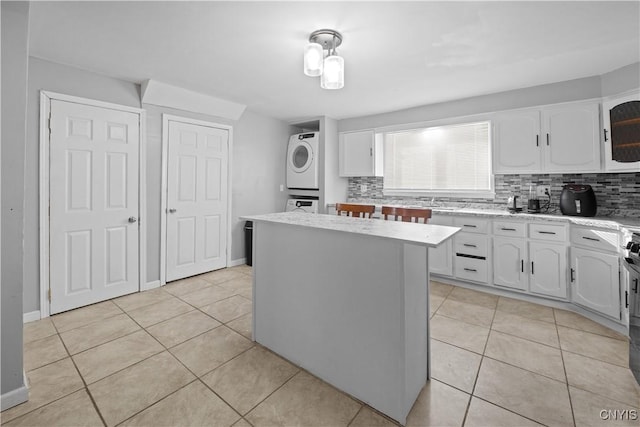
{"type": "Point", "coordinates": [507, 229]}
{"type": "Point", "coordinates": [469, 245]}
{"type": "Point", "coordinates": [470, 269]}
{"type": "Point", "coordinates": [547, 232]}
{"type": "Point", "coordinates": [470, 225]}
{"type": "Point", "coordinates": [591, 238]}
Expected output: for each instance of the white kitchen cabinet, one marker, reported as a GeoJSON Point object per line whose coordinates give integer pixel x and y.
{"type": "Point", "coordinates": [630, 121]}
{"type": "Point", "coordinates": [441, 257]}
{"type": "Point", "coordinates": [553, 138]}
{"type": "Point", "coordinates": [571, 137]}
{"type": "Point", "coordinates": [360, 154]}
{"type": "Point", "coordinates": [472, 250]}
{"type": "Point", "coordinates": [548, 269]}
{"type": "Point", "coordinates": [595, 281]}
{"type": "Point", "coordinates": [510, 266]}
{"type": "Point", "coordinates": [632, 296]}
{"type": "Point", "coordinates": [516, 138]}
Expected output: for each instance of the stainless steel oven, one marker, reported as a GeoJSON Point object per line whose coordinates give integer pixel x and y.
{"type": "Point", "coordinates": [632, 296]}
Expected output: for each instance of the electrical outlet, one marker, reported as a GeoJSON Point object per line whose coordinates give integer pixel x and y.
{"type": "Point", "coordinates": [363, 187]}
{"type": "Point", "coordinates": [543, 190]}
{"type": "Point", "coordinates": [281, 187]}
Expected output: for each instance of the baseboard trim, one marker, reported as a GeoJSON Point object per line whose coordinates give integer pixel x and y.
{"type": "Point", "coordinates": [150, 285]}
{"type": "Point", "coordinates": [15, 397]}
{"type": "Point", "coordinates": [32, 316]}
{"type": "Point", "coordinates": [237, 262]}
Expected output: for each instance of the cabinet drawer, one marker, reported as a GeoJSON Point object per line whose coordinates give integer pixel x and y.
{"type": "Point", "coordinates": [470, 244]}
{"type": "Point", "coordinates": [472, 225]}
{"type": "Point", "coordinates": [596, 239]}
{"type": "Point", "coordinates": [553, 233]}
{"type": "Point", "coordinates": [471, 269]}
{"type": "Point", "coordinates": [509, 229]}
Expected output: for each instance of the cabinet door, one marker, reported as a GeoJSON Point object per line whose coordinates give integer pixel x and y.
{"type": "Point", "coordinates": [628, 110]}
{"type": "Point", "coordinates": [516, 138]}
{"type": "Point", "coordinates": [509, 263]}
{"type": "Point", "coordinates": [357, 153]}
{"type": "Point", "coordinates": [441, 259]}
{"type": "Point", "coordinates": [571, 137]}
{"type": "Point", "coordinates": [596, 281]}
{"type": "Point", "coordinates": [633, 298]}
{"type": "Point", "coordinates": [548, 269]}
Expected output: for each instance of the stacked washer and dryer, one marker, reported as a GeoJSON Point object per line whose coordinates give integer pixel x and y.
{"type": "Point", "coordinates": [302, 171]}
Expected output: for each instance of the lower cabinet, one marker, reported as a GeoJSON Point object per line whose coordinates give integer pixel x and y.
{"type": "Point", "coordinates": [595, 281]}
{"type": "Point", "coordinates": [441, 259]}
{"type": "Point", "coordinates": [509, 259]}
{"type": "Point", "coordinates": [548, 269]}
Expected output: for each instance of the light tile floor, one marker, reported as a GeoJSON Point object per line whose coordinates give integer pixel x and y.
{"type": "Point", "coordinates": [183, 356]}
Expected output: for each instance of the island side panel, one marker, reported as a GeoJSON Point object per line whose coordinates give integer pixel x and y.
{"type": "Point", "coordinates": [333, 303]}
{"type": "Point", "coordinates": [416, 300]}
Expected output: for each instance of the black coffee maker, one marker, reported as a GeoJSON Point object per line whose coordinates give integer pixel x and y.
{"type": "Point", "coordinates": [578, 200]}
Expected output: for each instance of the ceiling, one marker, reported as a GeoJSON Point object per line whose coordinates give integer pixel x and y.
{"type": "Point", "coordinates": [397, 54]}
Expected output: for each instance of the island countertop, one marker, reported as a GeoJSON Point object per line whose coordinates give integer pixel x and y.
{"type": "Point", "coordinates": [423, 234]}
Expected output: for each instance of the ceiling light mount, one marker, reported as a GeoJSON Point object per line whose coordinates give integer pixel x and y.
{"type": "Point", "coordinates": [328, 39]}
{"type": "Point", "coordinates": [321, 59]}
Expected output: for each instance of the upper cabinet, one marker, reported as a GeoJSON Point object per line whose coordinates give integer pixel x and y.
{"type": "Point", "coordinates": [360, 154]}
{"type": "Point", "coordinates": [516, 139]}
{"type": "Point", "coordinates": [555, 138]}
{"type": "Point", "coordinates": [621, 133]}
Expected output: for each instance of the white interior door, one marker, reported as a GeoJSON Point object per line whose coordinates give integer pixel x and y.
{"type": "Point", "coordinates": [196, 199]}
{"type": "Point", "coordinates": [93, 204]}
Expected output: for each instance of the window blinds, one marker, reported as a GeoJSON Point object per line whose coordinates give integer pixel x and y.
{"type": "Point", "coordinates": [447, 158]}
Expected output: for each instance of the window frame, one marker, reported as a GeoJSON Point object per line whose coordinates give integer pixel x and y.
{"type": "Point", "coordinates": [421, 126]}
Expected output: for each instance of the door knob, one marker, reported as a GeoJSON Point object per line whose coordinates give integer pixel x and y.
{"type": "Point", "coordinates": [132, 219]}
{"type": "Point", "coordinates": [172, 210]}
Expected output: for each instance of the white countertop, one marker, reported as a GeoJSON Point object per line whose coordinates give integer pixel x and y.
{"type": "Point", "coordinates": [608, 222]}
{"type": "Point", "coordinates": [423, 234]}
{"type": "Point", "coordinates": [599, 222]}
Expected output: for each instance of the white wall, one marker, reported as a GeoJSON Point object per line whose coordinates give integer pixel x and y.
{"type": "Point", "coordinates": [621, 80]}
{"type": "Point", "coordinates": [15, 43]}
{"type": "Point", "coordinates": [258, 161]}
{"type": "Point", "coordinates": [571, 90]}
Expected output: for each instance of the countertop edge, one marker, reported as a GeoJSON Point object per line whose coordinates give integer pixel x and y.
{"type": "Point", "coordinates": [361, 226]}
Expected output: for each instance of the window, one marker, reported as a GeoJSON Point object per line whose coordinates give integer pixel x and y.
{"type": "Point", "coordinates": [452, 160]}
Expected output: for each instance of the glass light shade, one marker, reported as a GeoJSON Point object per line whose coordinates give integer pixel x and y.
{"type": "Point", "coordinates": [333, 73]}
{"type": "Point", "coordinates": [313, 56]}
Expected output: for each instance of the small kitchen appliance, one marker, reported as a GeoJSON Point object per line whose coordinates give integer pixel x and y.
{"type": "Point", "coordinates": [533, 204]}
{"type": "Point", "coordinates": [513, 204]}
{"type": "Point", "coordinates": [578, 200]}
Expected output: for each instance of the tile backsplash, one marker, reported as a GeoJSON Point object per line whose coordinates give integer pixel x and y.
{"type": "Point", "coordinates": [617, 194]}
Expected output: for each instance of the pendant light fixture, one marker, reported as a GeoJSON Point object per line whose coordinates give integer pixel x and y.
{"type": "Point", "coordinates": [329, 66]}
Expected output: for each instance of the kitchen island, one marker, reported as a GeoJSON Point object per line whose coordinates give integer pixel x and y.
{"type": "Point", "coordinates": [348, 300]}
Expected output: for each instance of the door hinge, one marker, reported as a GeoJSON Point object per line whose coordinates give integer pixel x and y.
{"type": "Point", "coordinates": [49, 294]}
